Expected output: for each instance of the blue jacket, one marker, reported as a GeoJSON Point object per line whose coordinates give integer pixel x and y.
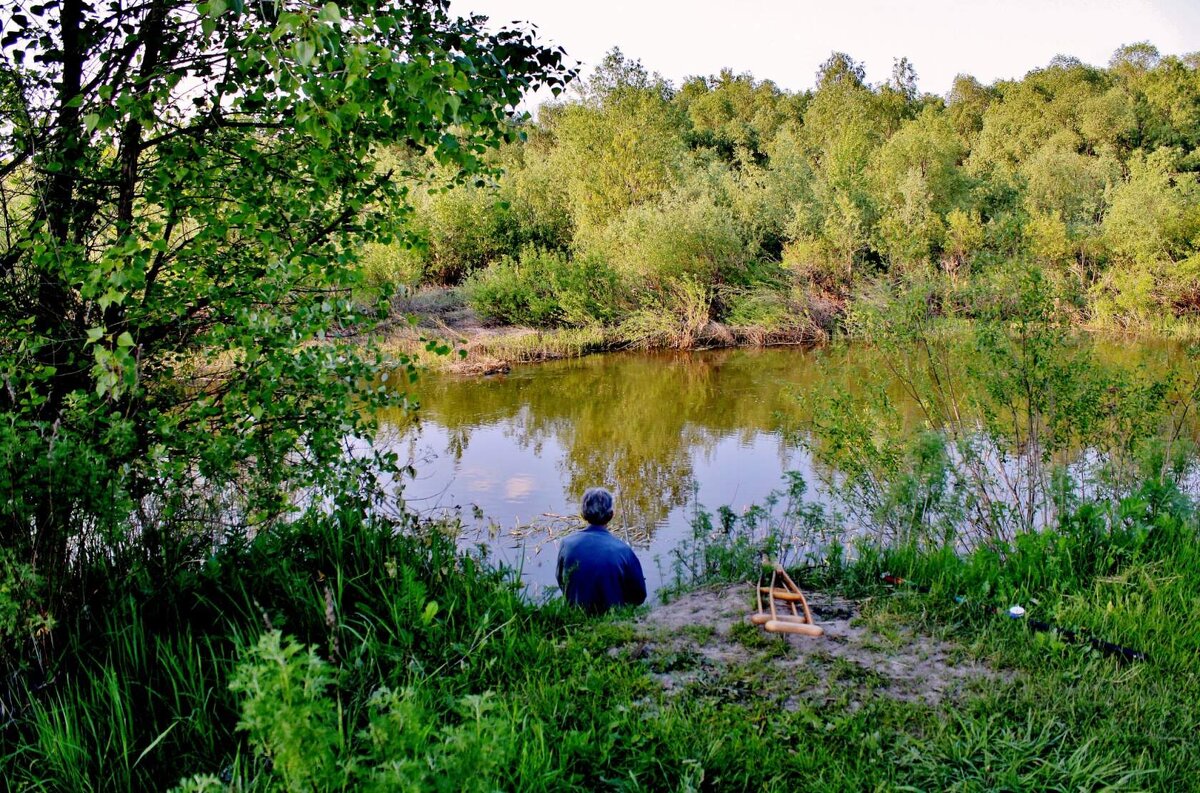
{"type": "Point", "coordinates": [596, 571]}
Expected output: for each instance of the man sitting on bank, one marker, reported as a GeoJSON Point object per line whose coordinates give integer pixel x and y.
{"type": "Point", "coordinates": [596, 571]}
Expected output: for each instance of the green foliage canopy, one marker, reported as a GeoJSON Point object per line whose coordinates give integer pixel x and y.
{"type": "Point", "coordinates": [849, 182]}
{"type": "Point", "coordinates": [185, 187]}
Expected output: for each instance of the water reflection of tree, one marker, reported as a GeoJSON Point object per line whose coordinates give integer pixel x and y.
{"type": "Point", "coordinates": [638, 423]}
{"type": "Point", "coordinates": [633, 422]}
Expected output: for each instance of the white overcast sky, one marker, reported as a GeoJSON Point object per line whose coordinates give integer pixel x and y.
{"type": "Point", "coordinates": [786, 41]}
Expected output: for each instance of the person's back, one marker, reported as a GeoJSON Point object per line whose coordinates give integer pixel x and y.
{"type": "Point", "coordinates": [596, 571]}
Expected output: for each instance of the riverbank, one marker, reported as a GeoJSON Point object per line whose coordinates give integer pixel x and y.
{"type": "Point", "coordinates": [703, 637]}
{"type": "Point", "coordinates": [439, 318]}
{"type": "Point", "coordinates": [438, 329]}
{"type": "Point", "coordinates": [342, 655]}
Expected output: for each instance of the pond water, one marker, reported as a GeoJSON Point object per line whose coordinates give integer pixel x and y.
{"type": "Point", "coordinates": [665, 431]}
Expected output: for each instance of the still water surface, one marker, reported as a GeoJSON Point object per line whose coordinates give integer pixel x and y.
{"type": "Point", "coordinates": [664, 431]}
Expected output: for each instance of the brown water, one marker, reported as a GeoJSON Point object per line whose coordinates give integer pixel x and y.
{"type": "Point", "coordinates": [664, 431]}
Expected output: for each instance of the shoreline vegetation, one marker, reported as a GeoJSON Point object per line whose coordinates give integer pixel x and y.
{"type": "Point", "coordinates": [379, 656]}
{"type": "Point", "coordinates": [463, 343]}
{"type": "Point", "coordinates": [637, 213]}
{"type": "Point", "coordinates": [439, 331]}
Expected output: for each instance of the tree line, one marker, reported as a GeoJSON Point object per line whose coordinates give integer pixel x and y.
{"type": "Point", "coordinates": [636, 201]}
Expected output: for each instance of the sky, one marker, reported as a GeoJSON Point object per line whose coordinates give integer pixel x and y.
{"type": "Point", "coordinates": [786, 41]}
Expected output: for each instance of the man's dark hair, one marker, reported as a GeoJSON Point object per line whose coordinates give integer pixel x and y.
{"type": "Point", "coordinates": [597, 506]}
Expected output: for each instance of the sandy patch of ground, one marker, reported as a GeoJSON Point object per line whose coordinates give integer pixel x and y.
{"type": "Point", "coordinates": [704, 639]}
{"type": "Point", "coordinates": [440, 314]}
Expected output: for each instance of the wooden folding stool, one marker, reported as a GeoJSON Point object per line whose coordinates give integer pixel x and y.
{"type": "Point", "coordinates": [789, 594]}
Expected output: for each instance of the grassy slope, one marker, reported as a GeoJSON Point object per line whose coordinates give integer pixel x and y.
{"type": "Point", "coordinates": [483, 691]}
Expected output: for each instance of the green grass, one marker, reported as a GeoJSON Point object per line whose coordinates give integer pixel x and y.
{"type": "Point", "coordinates": [1061, 715]}
{"type": "Point", "coordinates": [546, 345]}
{"type": "Point", "coordinates": [386, 690]}
{"type": "Point", "coordinates": [483, 352]}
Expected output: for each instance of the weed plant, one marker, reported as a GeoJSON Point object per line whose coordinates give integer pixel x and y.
{"type": "Point", "coordinates": [784, 528]}
{"type": "Point", "coordinates": [1014, 414]}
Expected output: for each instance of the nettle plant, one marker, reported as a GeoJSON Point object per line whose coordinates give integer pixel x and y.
{"type": "Point", "coordinates": [184, 189]}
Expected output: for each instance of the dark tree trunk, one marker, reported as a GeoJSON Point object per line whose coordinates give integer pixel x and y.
{"type": "Point", "coordinates": [55, 313]}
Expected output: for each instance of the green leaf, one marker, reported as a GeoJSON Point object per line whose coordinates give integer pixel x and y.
{"type": "Point", "coordinates": [112, 295]}
{"type": "Point", "coordinates": [305, 51]}
{"type": "Point", "coordinates": [229, 250]}
{"type": "Point", "coordinates": [330, 13]}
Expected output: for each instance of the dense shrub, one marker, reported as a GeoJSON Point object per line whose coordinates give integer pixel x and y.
{"type": "Point", "coordinates": [1152, 231]}
{"type": "Point", "coordinates": [673, 315]}
{"type": "Point", "coordinates": [540, 288]}
{"type": "Point", "coordinates": [759, 308]}
{"type": "Point", "coordinates": [464, 232]}
{"type": "Point", "coordinates": [684, 237]}
{"type": "Point", "coordinates": [387, 267]}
